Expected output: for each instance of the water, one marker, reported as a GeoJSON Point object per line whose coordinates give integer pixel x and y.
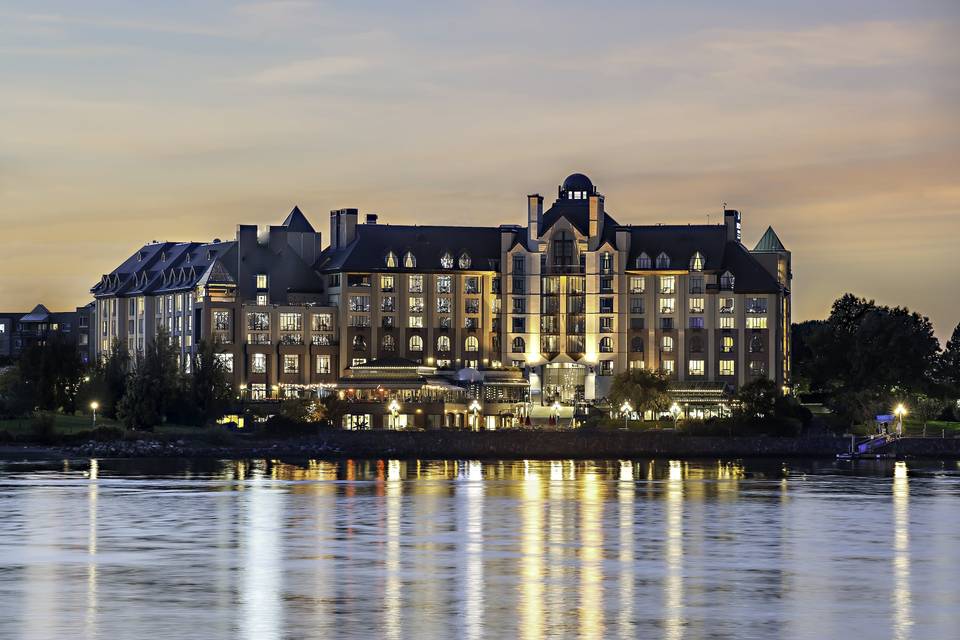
{"type": "Point", "coordinates": [448, 549]}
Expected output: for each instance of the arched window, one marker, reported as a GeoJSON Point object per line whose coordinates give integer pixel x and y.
{"type": "Point", "coordinates": [416, 343]}
{"type": "Point", "coordinates": [666, 344]}
{"type": "Point", "coordinates": [606, 345]}
{"type": "Point", "coordinates": [519, 345]}
{"type": "Point", "coordinates": [663, 261]}
{"type": "Point", "coordinates": [727, 281]}
{"type": "Point", "coordinates": [464, 261]}
{"type": "Point", "coordinates": [643, 261]}
{"type": "Point", "coordinates": [443, 343]}
{"type": "Point", "coordinates": [756, 344]}
{"type": "Point", "coordinates": [391, 260]}
{"type": "Point", "coordinates": [409, 261]}
{"type": "Point", "coordinates": [696, 344]}
{"type": "Point", "coordinates": [697, 262]}
{"type": "Point", "coordinates": [446, 260]}
{"type": "Point", "coordinates": [389, 344]}
{"type": "Point", "coordinates": [471, 344]}
{"type": "Point", "coordinates": [359, 343]}
{"type": "Point", "coordinates": [636, 344]}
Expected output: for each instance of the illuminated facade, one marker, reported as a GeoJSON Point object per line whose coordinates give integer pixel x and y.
{"type": "Point", "coordinates": [568, 299]}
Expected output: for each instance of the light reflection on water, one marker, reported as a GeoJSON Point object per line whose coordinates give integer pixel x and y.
{"type": "Point", "coordinates": [644, 548]}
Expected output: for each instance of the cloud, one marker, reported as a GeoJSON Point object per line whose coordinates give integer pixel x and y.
{"type": "Point", "coordinates": [304, 72]}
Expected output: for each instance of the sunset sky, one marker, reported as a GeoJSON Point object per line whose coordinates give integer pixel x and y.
{"type": "Point", "coordinates": [837, 123]}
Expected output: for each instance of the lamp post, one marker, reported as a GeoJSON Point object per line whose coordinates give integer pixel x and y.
{"type": "Point", "coordinates": [394, 408]}
{"type": "Point", "coordinates": [94, 406]}
{"type": "Point", "coordinates": [556, 412]}
{"type": "Point", "coordinates": [675, 413]}
{"type": "Point", "coordinates": [626, 409]}
{"type": "Point", "coordinates": [900, 411]}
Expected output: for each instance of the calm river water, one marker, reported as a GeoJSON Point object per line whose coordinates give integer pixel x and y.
{"type": "Point", "coordinates": [460, 549]}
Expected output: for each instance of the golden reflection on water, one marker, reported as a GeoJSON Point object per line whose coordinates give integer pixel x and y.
{"type": "Point", "coordinates": [902, 599]}
{"type": "Point", "coordinates": [473, 578]}
{"type": "Point", "coordinates": [262, 584]}
{"type": "Point", "coordinates": [591, 555]}
{"type": "Point", "coordinates": [393, 499]}
{"type": "Point", "coordinates": [90, 617]}
{"type": "Point", "coordinates": [556, 541]}
{"type": "Point", "coordinates": [625, 494]}
{"type": "Point", "coordinates": [531, 586]}
{"type": "Point", "coordinates": [673, 581]}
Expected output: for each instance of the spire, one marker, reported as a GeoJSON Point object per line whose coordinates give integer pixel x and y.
{"type": "Point", "coordinates": [769, 243]}
{"type": "Point", "coordinates": [297, 222]}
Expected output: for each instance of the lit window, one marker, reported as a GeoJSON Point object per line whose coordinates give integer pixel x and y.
{"type": "Point", "coordinates": [261, 281]}
{"type": "Point", "coordinates": [323, 364]}
{"type": "Point", "coordinates": [638, 284]}
{"type": "Point", "coordinates": [258, 391]}
{"type": "Point", "coordinates": [726, 305]}
{"type": "Point", "coordinates": [727, 367]}
{"type": "Point", "coordinates": [464, 261]}
{"type": "Point", "coordinates": [225, 361]}
{"type": "Point", "coordinates": [388, 343]}
{"type": "Point", "coordinates": [636, 364]}
{"type": "Point", "coordinates": [391, 260]}
{"type": "Point", "coordinates": [756, 322]}
{"type": "Point", "coordinates": [443, 305]}
{"type": "Point", "coordinates": [519, 345]}
{"type": "Point", "coordinates": [471, 344]}
{"type": "Point", "coordinates": [322, 322]}
{"type": "Point", "coordinates": [415, 322]}
{"type": "Point", "coordinates": [444, 284]}
{"type": "Point", "coordinates": [696, 367]}
{"type": "Point", "coordinates": [415, 304]}
{"type": "Point", "coordinates": [291, 363]}
{"type": "Point", "coordinates": [258, 363]}
{"type": "Point", "coordinates": [666, 344]}
{"type": "Point", "coordinates": [727, 322]}
{"type": "Point", "coordinates": [755, 305]}
{"type": "Point", "coordinates": [668, 284]}
{"type": "Point", "coordinates": [666, 305]}
{"type": "Point", "coordinates": [291, 322]}
{"type": "Point", "coordinates": [606, 262]}
{"type": "Point", "coordinates": [386, 284]}
{"type": "Point", "coordinates": [696, 305]}
{"type": "Point", "coordinates": [409, 261]}
{"type": "Point", "coordinates": [606, 345]}
{"type": "Point", "coordinates": [443, 343]}
{"type": "Point", "coordinates": [258, 321]}
{"type": "Point", "coordinates": [696, 262]}
{"type": "Point", "coordinates": [262, 300]}
{"type": "Point", "coordinates": [415, 284]}
{"type": "Point", "coordinates": [668, 366]}
{"type": "Point", "coordinates": [416, 343]}
{"type": "Point", "coordinates": [726, 344]}
{"type": "Point", "coordinates": [446, 261]}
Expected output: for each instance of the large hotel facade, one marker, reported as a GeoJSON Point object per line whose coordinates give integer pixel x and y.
{"type": "Point", "coordinates": [524, 319]}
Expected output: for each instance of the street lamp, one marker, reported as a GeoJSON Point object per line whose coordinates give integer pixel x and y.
{"type": "Point", "coordinates": [475, 408]}
{"type": "Point", "coordinates": [626, 409]}
{"type": "Point", "coordinates": [94, 406]}
{"type": "Point", "coordinates": [900, 411]}
{"type": "Point", "coordinates": [394, 408]}
{"type": "Point", "coordinates": [675, 412]}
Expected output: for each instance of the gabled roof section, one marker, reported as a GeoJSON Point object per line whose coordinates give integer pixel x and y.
{"type": "Point", "coordinates": [679, 242]}
{"type": "Point", "coordinates": [39, 314]}
{"type": "Point", "coordinates": [216, 273]}
{"type": "Point", "coordinates": [297, 222]}
{"type": "Point", "coordinates": [373, 242]}
{"type": "Point", "coordinates": [161, 267]}
{"type": "Point", "coordinates": [577, 212]}
{"type": "Point", "coordinates": [769, 243]}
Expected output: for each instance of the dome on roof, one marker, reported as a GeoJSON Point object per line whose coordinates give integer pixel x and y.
{"type": "Point", "coordinates": [577, 182]}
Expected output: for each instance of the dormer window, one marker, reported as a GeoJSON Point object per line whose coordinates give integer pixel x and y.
{"type": "Point", "coordinates": [643, 261]}
{"type": "Point", "coordinates": [697, 262]}
{"type": "Point", "coordinates": [163, 256]}
{"type": "Point", "coordinates": [663, 261]}
{"type": "Point", "coordinates": [464, 261]}
{"type": "Point", "coordinates": [409, 260]}
{"type": "Point", "coordinates": [140, 256]}
{"type": "Point", "coordinates": [391, 260]}
{"type": "Point", "coordinates": [727, 281]}
{"type": "Point", "coordinates": [210, 255]}
{"type": "Point", "coordinates": [446, 260]}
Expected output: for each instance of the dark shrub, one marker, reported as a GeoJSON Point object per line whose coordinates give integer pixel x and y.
{"type": "Point", "coordinates": [280, 426]}
{"type": "Point", "coordinates": [43, 428]}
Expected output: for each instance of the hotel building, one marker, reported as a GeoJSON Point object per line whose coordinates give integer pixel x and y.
{"type": "Point", "coordinates": [534, 315]}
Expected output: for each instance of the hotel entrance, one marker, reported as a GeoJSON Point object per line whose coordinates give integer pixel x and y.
{"type": "Point", "coordinates": [563, 382]}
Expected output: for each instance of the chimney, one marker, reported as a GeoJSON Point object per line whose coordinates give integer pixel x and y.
{"type": "Point", "coordinates": [534, 216]}
{"type": "Point", "coordinates": [596, 219]}
{"type": "Point", "coordinates": [371, 218]}
{"type": "Point", "coordinates": [334, 229]}
{"type": "Point", "coordinates": [347, 227]}
{"type": "Point", "coordinates": [731, 220]}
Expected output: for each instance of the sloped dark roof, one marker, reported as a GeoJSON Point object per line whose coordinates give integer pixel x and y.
{"type": "Point", "coordinates": [577, 182]}
{"type": "Point", "coordinates": [749, 275]}
{"type": "Point", "coordinates": [162, 267]}
{"type": "Point", "coordinates": [297, 222]}
{"type": "Point", "coordinates": [39, 314]}
{"type": "Point", "coordinates": [368, 251]}
{"type": "Point", "coordinates": [577, 212]}
{"type": "Point", "coordinates": [679, 242]}
{"type": "Point", "coordinates": [769, 242]}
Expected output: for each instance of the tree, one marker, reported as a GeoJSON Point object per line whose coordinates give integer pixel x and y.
{"type": "Point", "coordinates": [644, 390]}
{"type": "Point", "coordinates": [108, 381]}
{"type": "Point", "coordinates": [758, 398]}
{"type": "Point", "coordinates": [50, 373]}
{"type": "Point", "coordinates": [207, 386]}
{"type": "Point", "coordinates": [949, 364]}
{"type": "Point", "coordinates": [925, 409]}
{"type": "Point", "coordinates": [152, 388]}
{"type": "Point", "coordinates": [334, 409]}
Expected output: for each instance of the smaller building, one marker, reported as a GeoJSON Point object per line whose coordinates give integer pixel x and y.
{"type": "Point", "coordinates": [19, 330]}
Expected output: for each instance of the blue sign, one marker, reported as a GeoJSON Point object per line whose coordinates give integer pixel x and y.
{"type": "Point", "coordinates": [885, 419]}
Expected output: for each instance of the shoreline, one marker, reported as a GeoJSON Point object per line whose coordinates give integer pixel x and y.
{"type": "Point", "coordinates": [489, 445]}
